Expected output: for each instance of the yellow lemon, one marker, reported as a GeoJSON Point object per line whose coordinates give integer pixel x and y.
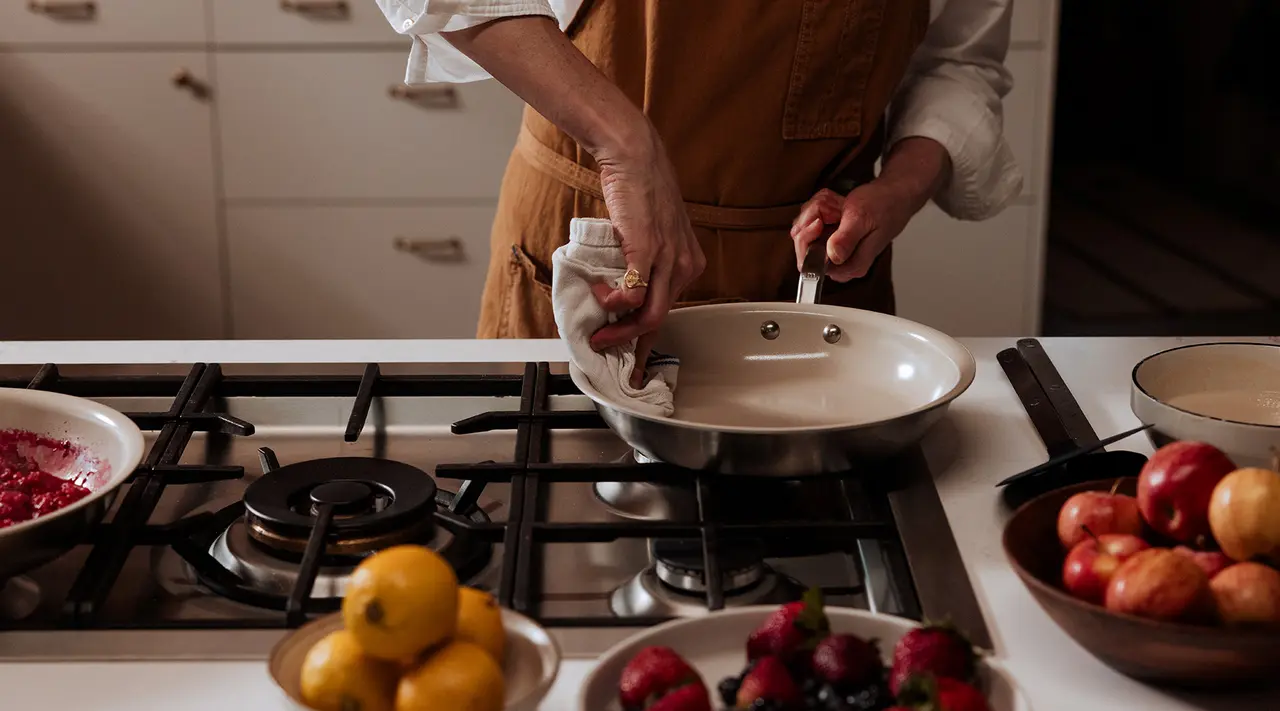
{"type": "Point", "coordinates": [480, 622]}
{"type": "Point", "coordinates": [338, 676]}
{"type": "Point", "coordinates": [459, 676]}
{"type": "Point", "coordinates": [401, 601]}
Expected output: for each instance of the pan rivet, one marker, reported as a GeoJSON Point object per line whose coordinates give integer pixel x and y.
{"type": "Point", "coordinates": [770, 330]}
{"type": "Point", "coordinates": [831, 333]}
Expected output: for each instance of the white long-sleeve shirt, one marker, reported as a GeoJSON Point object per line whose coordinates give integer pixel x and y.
{"type": "Point", "coordinates": [952, 92]}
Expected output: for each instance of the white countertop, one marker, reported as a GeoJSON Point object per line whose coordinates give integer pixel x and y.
{"type": "Point", "coordinates": [985, 437]}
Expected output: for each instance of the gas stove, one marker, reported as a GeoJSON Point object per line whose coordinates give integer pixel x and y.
{"type": "Point", "coordinates": [265, 485]}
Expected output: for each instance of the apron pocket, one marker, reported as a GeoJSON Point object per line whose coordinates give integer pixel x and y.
{"type": "Point", "coordinates": [835, 56]}
{"type": "Point", "coordinates": [526, 310]}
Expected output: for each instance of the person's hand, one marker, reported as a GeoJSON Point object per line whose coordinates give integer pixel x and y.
{"type": "Point", "coordinates": [647, 211]}
{"type": "Point", "coordinates": [867, 221]}
{"type": "Point", "coordinates": [873, 214]}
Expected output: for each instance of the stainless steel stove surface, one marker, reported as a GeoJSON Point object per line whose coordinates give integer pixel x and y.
{"type": "Point", "coordinates": [265, 485]}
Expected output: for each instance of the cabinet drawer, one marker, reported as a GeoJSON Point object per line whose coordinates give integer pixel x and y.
{"type": "Point", "coordinates": [967, 278]}
{"type": "Point", "coordinates": [1024, 117]}
{"type": "Point", "coordinates": [313, 125]}
{"type": "Point", "coordinates": [357, 272]}
{"type": "Point", "coordinates": [107, 196]}
{"type": "Point", "coordinates": [301, 22]}
{"type": "Point", "coordinates": [95, 21]}
{"type": "Point", "coordinates": [1027, 21]}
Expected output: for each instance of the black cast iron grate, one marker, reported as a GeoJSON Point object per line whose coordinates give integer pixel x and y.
{"type": "Point", "coordinates": [193, 409]}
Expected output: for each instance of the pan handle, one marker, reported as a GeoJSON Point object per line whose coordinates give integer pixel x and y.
{"type": "Point", "coordinates": [814, 270]}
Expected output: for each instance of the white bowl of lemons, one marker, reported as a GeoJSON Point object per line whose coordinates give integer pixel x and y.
{"type": "Point", "coordinates": [409, 638]}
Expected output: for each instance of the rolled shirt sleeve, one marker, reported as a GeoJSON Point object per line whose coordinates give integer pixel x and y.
{"type": "Point", "coordinates": [953, 94]}
{"type": "Point", "coordinates": [432, 58]}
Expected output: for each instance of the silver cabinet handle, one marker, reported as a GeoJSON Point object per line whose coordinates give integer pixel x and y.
{"type": "Point", "coordinates": [184, 79]}
{"type": "Point", "coordinates": [316, 7]}
{"type": "Point", "coordinates": [441, 251]}
{"type": "Point", "coordinates": [66, 9]}
{"type": "Point", "coordinates": [436, 96]}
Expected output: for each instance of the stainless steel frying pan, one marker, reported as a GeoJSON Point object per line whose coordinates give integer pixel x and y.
{"type": "Point", "coordinates": [781, 389]}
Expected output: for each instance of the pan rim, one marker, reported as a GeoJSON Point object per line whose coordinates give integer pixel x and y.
{"type": "Point", "coordinates": [123, 429]}
{"type": "Point", "coordinates": [961, 356]}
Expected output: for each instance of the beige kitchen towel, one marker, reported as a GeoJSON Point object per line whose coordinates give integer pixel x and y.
{"type": "Point", "coordinates": [593, 255]}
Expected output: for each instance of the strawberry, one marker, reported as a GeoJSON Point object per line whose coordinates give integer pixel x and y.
{"type": "Point", "coordinates": [690, 697]}
{"type": "Point", "coordinates": [939, 650]}
{"type": "Point", "coordinates": [794, 627]}
{"type": "Point", "coordinates": [651, 674]}
{"type": "Point", "coordinates": [769, 680]}
{"type": "Point", "coordinates": [925, 692]}
{"type": "Point", "coordinates": [846, 661]}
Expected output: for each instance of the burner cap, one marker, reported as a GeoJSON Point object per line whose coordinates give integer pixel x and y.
{"type": "Point", "coordinates": [344, 496]}
{"type": "Point", "coordinates": [680, 564]}
{"type": "Point", "coordinates": [376, 502]}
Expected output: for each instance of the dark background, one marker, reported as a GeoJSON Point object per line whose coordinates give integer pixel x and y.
{"type": "Point", "coordinates": [1164, 216]}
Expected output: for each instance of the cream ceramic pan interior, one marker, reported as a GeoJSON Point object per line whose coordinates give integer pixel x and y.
{"type": "Point", "coordinates": [1231, 382]}
{"type": "Point", "coordinates": [733, 378]}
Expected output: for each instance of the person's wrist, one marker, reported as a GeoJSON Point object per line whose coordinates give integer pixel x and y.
{"type": "Point", "coordinates": [622, 136]}
{"type": "Point", "coordinates": [916, 169]}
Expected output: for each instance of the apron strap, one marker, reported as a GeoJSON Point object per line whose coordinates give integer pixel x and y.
{"type": "Point", "coordinates": [570, 173]}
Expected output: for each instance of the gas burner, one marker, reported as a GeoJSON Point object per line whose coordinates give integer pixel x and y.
{"type": "Point", "coordinates": [377, 503]}
{"type": "Point", "coordinates": [675, 585]}
{"type": "Point", "coordinates": [679, 564]}
{"type": "Point", "coordinates": [642, 501]}
{"type": "Point", "coordinates": [262, 570]}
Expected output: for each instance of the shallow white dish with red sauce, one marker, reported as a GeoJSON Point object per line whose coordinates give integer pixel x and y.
{"type": "Point", "coordinates": [62, 459]}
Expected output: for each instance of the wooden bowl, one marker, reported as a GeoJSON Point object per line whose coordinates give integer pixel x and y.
{"type": "Point", "coordinates": [1158, 653]}
{"type": "Point", "coordinates": [531, 664]}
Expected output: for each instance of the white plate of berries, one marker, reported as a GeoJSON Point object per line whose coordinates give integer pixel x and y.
{"type": "Point", "coordinates": [798, 657]}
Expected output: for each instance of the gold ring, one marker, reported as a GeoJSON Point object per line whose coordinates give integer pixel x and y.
{"type": "Point", "coordinates": [632, 280]}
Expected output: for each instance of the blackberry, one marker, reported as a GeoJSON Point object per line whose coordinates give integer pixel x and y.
{"type": "Point", "coordinates": [875, 697]}
{"type": "Point", "coordinates": [728, 689]}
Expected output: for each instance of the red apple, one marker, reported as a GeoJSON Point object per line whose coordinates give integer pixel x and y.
{"type": "Point", "coordinates": [1211, 562]}
{"type": "Point", "coordinates": [1100, 512]}
{"type": "Point", "coordinates": [1175, 486]}
{"type": "Point", "coordinates": [1246, 593]}
{"type": "Point", "coordinates": [1091, 564]}
{"type": "Point", "coordinates": [1161, 585]}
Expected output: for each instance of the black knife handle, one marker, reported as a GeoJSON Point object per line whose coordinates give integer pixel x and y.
{"type": "Point", "coordinates": [1064, 403]}
{"type": "Point", "coordinates": [1057, 440]}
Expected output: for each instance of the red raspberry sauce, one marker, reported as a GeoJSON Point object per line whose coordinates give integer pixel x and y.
{"type": "Point", "coordinates": [27, 492]}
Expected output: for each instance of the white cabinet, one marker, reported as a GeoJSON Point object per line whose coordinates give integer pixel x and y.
{"type": "Point", "coordinates": [967, 278]}
{"type": "Point", "coordinates": [340, 125]}
{"type": "Point", "coordinates": [37, 22]}
{"type": "Point", "coordinates": [300, 22]}
{"type": "Point", "coordinates": [107, 196]}
{"type": "Point", "coordinates": [1023, 122]}
{"type": "Point", "coordinates": [357, 272]}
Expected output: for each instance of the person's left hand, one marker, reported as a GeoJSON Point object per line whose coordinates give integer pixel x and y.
{"type": "Point", "coordinates": [874, 213]}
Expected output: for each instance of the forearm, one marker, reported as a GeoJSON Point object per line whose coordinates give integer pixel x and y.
{"type": "Point", "coordinates": [533, 58]}
{"type": "Point", "coordinates": [919, 167]}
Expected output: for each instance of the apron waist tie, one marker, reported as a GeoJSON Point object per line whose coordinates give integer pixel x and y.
{"type": "Point", "coordinates": [570, 173]}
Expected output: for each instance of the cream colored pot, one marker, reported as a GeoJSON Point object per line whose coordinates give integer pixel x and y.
{"type": "Point", "coordinates": [1226, 394]}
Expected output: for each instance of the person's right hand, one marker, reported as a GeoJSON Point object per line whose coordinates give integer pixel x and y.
{"type": "Point", "coordinates": [648, 213]}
